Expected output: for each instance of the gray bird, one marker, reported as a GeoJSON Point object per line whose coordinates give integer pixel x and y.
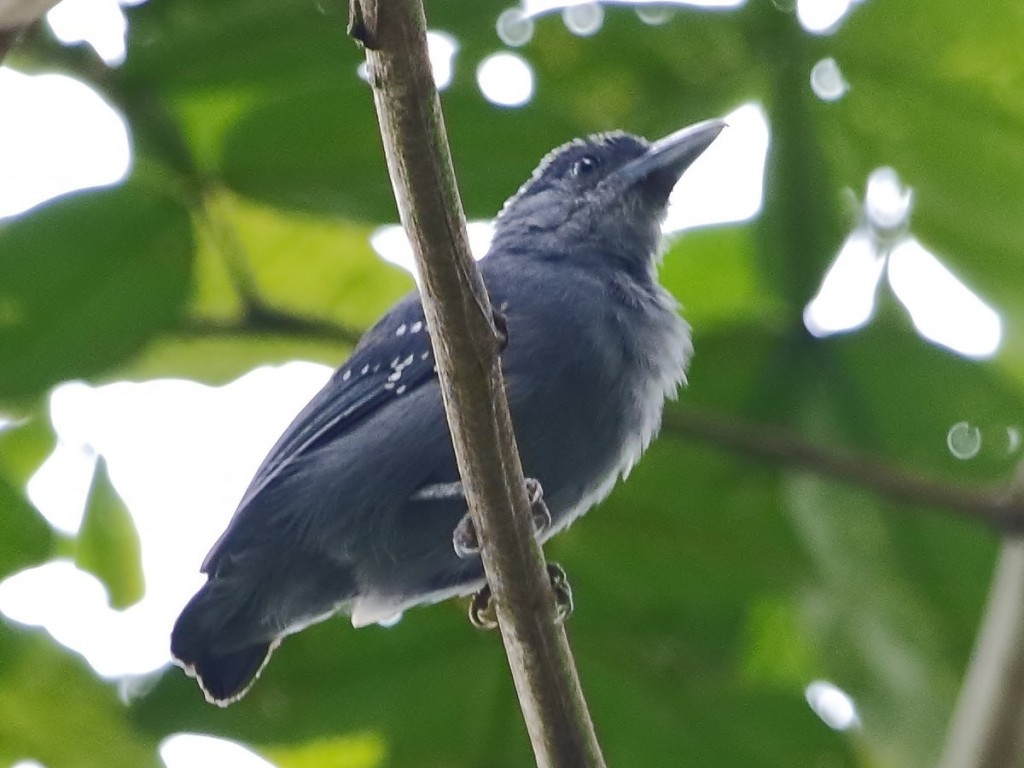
{"type": "Point", "coordinates": [354, 509]}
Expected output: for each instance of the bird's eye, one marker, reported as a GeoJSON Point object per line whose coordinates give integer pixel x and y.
{"type": "Point", "coordinates": [585, 165]}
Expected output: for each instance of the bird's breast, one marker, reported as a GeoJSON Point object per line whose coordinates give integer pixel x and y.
{"type": "Point", "coordinates": [608, 371]}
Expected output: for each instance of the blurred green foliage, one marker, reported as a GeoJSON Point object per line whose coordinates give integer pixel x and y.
{"type": "Point", "coordinates": [710, 589]}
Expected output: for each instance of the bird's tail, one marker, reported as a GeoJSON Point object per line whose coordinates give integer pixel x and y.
{"type": "Point", "coordinates": [224, 661]}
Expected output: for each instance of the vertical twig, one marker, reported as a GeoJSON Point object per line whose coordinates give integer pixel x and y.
{"type": "Point", "coordinates": [987, 729]}
{"type": "Point", "coordinates": [465, 344]}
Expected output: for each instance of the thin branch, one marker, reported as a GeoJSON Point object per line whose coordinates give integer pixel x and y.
{"type": "Point", "coordinates": [8, 39]}
{"type": "Point", "coordinates": [21, 13]}
{"type": "Point", "coordinates": [996, 506]}
{"type": "Point", "coordinates": [225, 236]}
{"type": "Point", "coordinates": [987, 728]}
{"type": "Point", "coordinates": [15, 17]}
{"type": "Point", "coordinates": [466, 347]}
{"type": "Point", "coordinates": [267, 321]}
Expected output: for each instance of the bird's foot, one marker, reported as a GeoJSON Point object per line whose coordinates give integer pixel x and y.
{"type": "Point", "coordinates": [464, 538]}
{"type": "Point", "coordinates": [467, 543]}
{"type": "Point", "coordinates": [563, 592]}
{"type": "Point", "coordinates": [539, 510]}
{"type": "Point", "coordinates": [481, 609]}
{"type": "Point", "coordinates": [482, 614]}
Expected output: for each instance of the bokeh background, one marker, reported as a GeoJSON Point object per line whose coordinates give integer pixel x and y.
{"type": "Point", "coordinates": [197, 224]}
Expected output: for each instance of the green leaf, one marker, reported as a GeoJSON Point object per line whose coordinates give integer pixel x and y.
{"type": "Point", "coordinates": [108, 545]}
{"type": "Point", "coordinates": [328, 157]}
{"type": "Point", "coordinates": [25, 538]}
{"type": "Point", "coordinates": [321, 270]}
{"type": "Point", "coordinates": [54, 710]}
{"type": "Point", "coordinates": [712, 271]}
{"type": "Point", "coordinates": [88, 279]}
{"type": "Point", "coordinates": [365, 751]}
{"type": "Point", "coordinates": [883, 629]}
{"type": "Point", "coordinates": [190, 46]}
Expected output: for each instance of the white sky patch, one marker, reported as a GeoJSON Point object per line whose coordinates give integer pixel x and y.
{"type": "Point", "coordinates": [58, 135]}
{"type": "Point", "coordinates": [442, 47]}
{"type": "Point", "coordinates": [193, 750]}
{"type": "Point", "coordinates": [822, 17]}
{"type": "Point", "coordinates": [100, 23]}
{"type": "Point", "coordinates": [59, 487]}
{"type": "Point", "coordinates": [846, 299]}
{"type": "Point", "coordinates": [887, 203]}
{"type": "Point", "coordinates": [180, 454]}
{"type": "Point", "coordinates": [827, 80]}
{"type": "Point", "coordinates": [537, 7]}
{"type": "Point", "coordinates": [833, 705]}
{"type": "Point", "coordinates": [392, 244]}
{"type": "Point", "coordinates": [514, 27]}
{"type": "Point", "coordinates": [73, 607]}
{"type": "Point", "coordinates": [505, 79]}
{"type": "Point", "coordinates": [726, 183]}
{"type": "Point", "coordinates": [963, 440]}
{"type": "Point", "coordinates": [583, 19]}
{"type": "Point", "coordinates": [941, 307]}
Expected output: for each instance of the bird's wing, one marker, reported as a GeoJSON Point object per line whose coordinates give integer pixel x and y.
{"type": "Point", "coordinates": [393, 359]}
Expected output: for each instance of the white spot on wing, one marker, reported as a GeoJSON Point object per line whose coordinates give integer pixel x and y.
{"type": "Point", "coordinates": [346, 375]}
{"type": "Point", "coordinates": [400, 390]}
{"type": "Point", "coordinates": [416, 327]}
{"type": "Point", "coordinates": [401, 330]}
{"type": "Point", "coordinates": [365, 369]}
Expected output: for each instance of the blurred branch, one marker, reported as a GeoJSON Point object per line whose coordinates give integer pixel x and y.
{"type": "Point", "coordinates": [466, 346]}
{"type": "Point", "coordinates": [987, 728]}
{"type": "Point", "coordinates": [8, 39]}
{"type": "Point", "coordinates": [996, 506]}
{"type": "Point", "coordinates": [257, 316]}
{"type": "Point", "coordinates": [15, 16]}
{"type": "Point", "coordinates": [261, 320]}
{"type": "Point", "coordinates": [225, 236]}
{"type": "Point", "coordinates": [21, 13]}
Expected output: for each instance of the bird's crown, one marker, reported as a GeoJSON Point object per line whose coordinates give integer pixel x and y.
{"type": "Point", "coordinates": [585, 160]}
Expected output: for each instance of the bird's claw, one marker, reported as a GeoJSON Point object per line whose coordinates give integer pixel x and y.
{"type": "Point", "coordinates": [482, 614]}
{"type": "Point", "coordinates": [467, 543]}
{"type": "Point", "coordinates": [464, 538]}
{"type": "Point", "coordinates": [539, 510]}
{"type": "Point", "coordinates": [563, 592]}
{"type": "Point", "coordinates": [481, 609]}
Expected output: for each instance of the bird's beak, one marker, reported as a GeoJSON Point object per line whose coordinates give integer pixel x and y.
{"type": "Point", "coordinates": [666, 159]}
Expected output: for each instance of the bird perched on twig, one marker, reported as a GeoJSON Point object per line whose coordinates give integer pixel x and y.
{"type": "Point", "coordinates": [355, 508]}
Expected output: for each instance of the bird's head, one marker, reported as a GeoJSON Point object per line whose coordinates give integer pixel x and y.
{"type": "Point", "coordinates": [606, 193]}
